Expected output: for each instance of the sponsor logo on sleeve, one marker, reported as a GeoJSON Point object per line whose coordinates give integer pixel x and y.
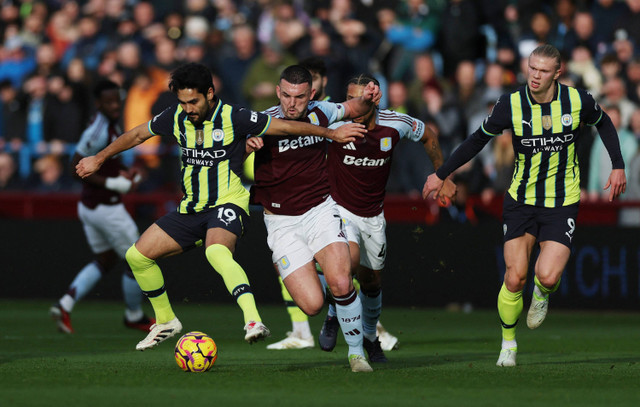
{"type": "Point", "coordinates": [254, 117]}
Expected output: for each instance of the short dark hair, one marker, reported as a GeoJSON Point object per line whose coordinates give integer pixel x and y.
{"type": "Point", "coordinates": [362, 80]}
{"type": "Point", "coordinates": [314, 65]}
{"type": "Point", "coordinates": [296, 74]}
{"type": "Point", "coordinates": [191, 76]}
{"type": "Point", "coordinates": [548, 51]}
{"type": "Point", "coordinates": [104, 85]}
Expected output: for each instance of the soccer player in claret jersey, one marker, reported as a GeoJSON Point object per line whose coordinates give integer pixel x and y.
{"type": "Point", "coordinates": [300, 335]}
{"type": "Point", "coordinates": [541, 204]}
{"type": "Point", "coordinates": [212, 137]}
{"type": "Point", "coordinates": [302, 220]}
{"type": "Point", "coordinates": [108, 226]}
{"type": "Point", "coordinates": [358, 174]}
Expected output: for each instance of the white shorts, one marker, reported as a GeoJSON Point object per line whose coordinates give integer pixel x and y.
{"type": "Point", "coordinates": [369, 234]}
{"type": "Point", "coordinates": [108, 227]}
{"type": "Point", "coordinates": [294, 240]}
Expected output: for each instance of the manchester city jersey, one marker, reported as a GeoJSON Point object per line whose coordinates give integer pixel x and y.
{"type": "Point", "coordinates": [544, 141]}
{"type": "Point", "coordinates": [211, 153]}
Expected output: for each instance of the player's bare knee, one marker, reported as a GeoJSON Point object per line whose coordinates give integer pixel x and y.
{"type": "Point", "coordinates": [547, 280]}
{"type": "Point", "coordinates": [514, 282]}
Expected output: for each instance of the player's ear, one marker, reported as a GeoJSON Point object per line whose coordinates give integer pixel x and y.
{"type": "Point", "coordinates": [210, 94]}
{"type": "Point", "coordinates": [278, 91]}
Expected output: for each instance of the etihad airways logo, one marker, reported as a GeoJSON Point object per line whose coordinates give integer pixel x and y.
{"type": "Point", "coordinates": [205, 157]}
{"type": "Point", "coordinates": [550, 144]}
{"type": "Point", "coordinates": [302, 141]}
{"type": "Point", "coordinates": [365, 162]}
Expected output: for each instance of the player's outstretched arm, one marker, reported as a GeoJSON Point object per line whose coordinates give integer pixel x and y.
{"type": "Point", "coordinates": [343, 134]}
{"type": "Point", "coordinates": [432, 147]}
{"type": "Point", "coordinates": [618, 183]}
{"type": "Point", "coordinates": [361, 105]}
{"type": "Point", "coordinates": [132, 138]}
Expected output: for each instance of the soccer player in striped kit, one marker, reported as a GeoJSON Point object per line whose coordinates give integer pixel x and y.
{"type": "Point", "coordinates": [302, 220]}
{"type": "Point", "coordinates": [212, 139]}
{"type": "Point", "coordinates": [358, 174]}
{"type": "Point", "coordinates": [541, 205]}
{"type": "Point", "coordinates": [108, 226]}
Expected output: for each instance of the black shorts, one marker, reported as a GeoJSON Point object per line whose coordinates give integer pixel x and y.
{"type": "Point", "coordinates": [190, 229]}
{"type": "Point", "coordinates": [557, 224]}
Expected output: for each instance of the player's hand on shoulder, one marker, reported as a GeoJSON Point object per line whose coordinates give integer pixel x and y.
{"type": "Point", "coordinates": [254, 144]}
{"type": "Point", "coordinates": [618, 183]}
{"type": "Point", "coordinates": [347, 132]}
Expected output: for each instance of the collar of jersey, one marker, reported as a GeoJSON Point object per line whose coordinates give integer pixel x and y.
{"type": "Point", "coordinates": [530, 96]}
{"type": "Point", "coordinates": [213, 112]}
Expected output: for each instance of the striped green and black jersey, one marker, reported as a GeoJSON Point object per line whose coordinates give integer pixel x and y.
{"type": "Point", "coordinates": [212, 153]}
{"type": "Point", "coordinates": [544, 141]}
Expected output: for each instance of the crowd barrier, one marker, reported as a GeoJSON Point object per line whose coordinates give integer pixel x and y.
{"type": "Point", "coordinates": [428, 264]}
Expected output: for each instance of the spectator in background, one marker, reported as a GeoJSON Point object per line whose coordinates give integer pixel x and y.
{"type": "Point", "coordinates": [628, 22]}
{"type": "Point", "coordinates": [259, 87]}
{"type": "Point", "coordinates": [62, 118]}
{"type": "Point", "coordinates": [9, 177]}
{"type": "Point", "coordinates": [447, 117]}
{"type": "Point", "coordinates": [467, 92]}
{"type": "Point", "coordinates": [147, 86]}
{"type": "Point", "coordinates": [460, 37]}
{"type": "Point", "coordinates": [36, 89]}
{"type": "Point", "coordinates": [606, 14]}
{"type": "Point", "coordinates": [16, 61]}
{"type": "Point", "coordinates": [236, 61]}
{"type": "Point", "coordinates": [600, 164]}
{"type": "Point", "coordinates": [631, 216]}
{"type": "Point", "coordinates": [49, 176]}
{"type": "Point", "coordinates": [582, 34]}
{"type": "Point", "coordinates": [165, 55]}
{"type": "Point", "coordinates": [610, 66]}
{"type": "Point", "coordinates": [89, 46]}
{"type": "Point", "coordinates": [583, 66]}
{"type": "Point", "coordinates": [632, 74]}
{"type": "Point", "coordinates": [614, 92]}
{"type": "Point", "coordinates": [415, 31]}
{"type": "Point", "coordinates": [60, 29]}
{"type": "Point", "coordinates": [13, 105]}
{"type": "Point", "coordinates": [425, 74]}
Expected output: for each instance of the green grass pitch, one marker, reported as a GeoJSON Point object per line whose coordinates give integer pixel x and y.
{"type": "Point", "coordinates": [445, 359]}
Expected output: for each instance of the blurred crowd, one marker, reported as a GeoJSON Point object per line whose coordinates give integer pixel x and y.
{"type": "Point", "coordinates": [443, 61]}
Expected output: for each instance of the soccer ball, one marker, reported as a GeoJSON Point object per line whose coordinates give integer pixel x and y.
{"type": "Point", "coordinates": [196, 352]}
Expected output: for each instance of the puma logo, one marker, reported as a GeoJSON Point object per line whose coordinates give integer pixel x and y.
{"type": "Point", "coordinates": [528, 123]}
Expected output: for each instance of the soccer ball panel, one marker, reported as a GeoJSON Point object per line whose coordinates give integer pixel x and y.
{"type": "Point", "coordinates": [196, 352]}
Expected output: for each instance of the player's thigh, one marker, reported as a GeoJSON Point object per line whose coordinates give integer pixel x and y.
{"type": "Point", "coordinates": [91, 223]}
{"type": "Point", "coordinates": [156, 243]}
{"type": "Point", "coordinates": [334, 259]}
{"type": "Point", "coordinates": [322, 226]}
{"type": "Point", "coordinates": [517, 252]}
{"type": "Point", "coordinates": [305, 289]}
{"type": "Point", "coordinates": [373, 246]}
{"type": "Point", "coordinates": [120, 229]}
{"type": "Point", "coordinates": [289, 250]}
{"type": "Point", "coordinates": [551, 262]}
